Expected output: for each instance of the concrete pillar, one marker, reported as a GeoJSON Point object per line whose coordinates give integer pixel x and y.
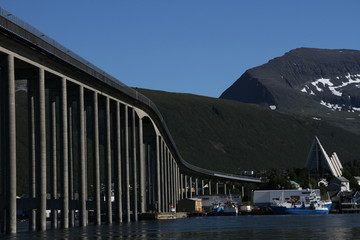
{"type": "Point", "coordinates": [96, 159]}
{"type": "Point", "coordinates": [158, 172]}
{"type": "Point", "coordinates": [11, 149]}
{"type": "Point", "coordinates": [196, 186]}
{"type": "Point", "coordinates": [117, 166]}
{"type": "Point", "coordinates": [82, 169]}
{"type": "Point", "coordinates": [225, 188]}
{"type": "Point", "coordinates": [41, 166]}
{"type": "Point", "coordinates": [202, 187]}
{"type": "Point", "coordinates": [142, 179]}
{"type": "Point", "coordinates": [162, 173]}
{"type": "Point", "coordinates": [170, 180]}
{"type": "Point", "coordinates": [32, 154]}
{"type": "Point", "coordinates": [71, 165]}
{"type": "Point", "coordinates": [166, 192]}
{"type": "Point", "coordinates": [53, 158]}
{"type": "Point", "coordinates": [134, 155]}
{"type": "Point", "coordinates": [209, 187]}
{"type": "Point", "coordinates": [178, 184]}
{"type": "Point", "coordinates": [127, 164]}
{"type": "Point", "coordinates": [173, 182]}
{"type": "Point", "coordinates": [150, 177]}
{"type": "Point", "coordinates": [108, 163]}
{"type": "Point", "coordinates": [190, 187]}
{"type": "Point", "coordinates": [182, 192]}
{"type": "Point", "coordinates": [64, 158]}
{"type": "Point", "coordinates": [186, 186]}
{"type": "Point", "coordinates": [217, 188]}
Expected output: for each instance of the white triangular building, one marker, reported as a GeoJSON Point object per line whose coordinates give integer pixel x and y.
{"type": "Point", "coordinates": [318, 159]}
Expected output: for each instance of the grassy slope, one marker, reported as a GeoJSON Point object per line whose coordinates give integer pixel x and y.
{"type": "Point", "coordinates": [230, 136]}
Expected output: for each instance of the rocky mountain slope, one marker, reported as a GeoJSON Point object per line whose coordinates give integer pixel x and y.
{"type": "Point", "coordinates": [320, 83]}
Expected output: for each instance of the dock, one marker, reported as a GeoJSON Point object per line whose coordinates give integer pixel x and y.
{"type": "Point", "coordinates": [162, 215]}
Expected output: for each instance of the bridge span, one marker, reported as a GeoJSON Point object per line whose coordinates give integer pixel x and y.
{"type": "Point", "coordinates": [79, 143]}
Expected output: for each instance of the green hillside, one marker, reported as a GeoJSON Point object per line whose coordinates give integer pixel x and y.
{"type": "Point", "coordinates": [230, 136]}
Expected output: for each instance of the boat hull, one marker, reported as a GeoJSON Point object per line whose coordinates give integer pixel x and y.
{"type": "Point", "coordinates": [285, 210]}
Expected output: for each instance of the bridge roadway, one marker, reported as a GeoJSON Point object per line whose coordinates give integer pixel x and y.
{"type": "Point", "coordinates": [87, 145]}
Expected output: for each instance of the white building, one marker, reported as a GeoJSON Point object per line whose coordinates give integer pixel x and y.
{"type": "Point", "coordinates": [319, 160]}
{"type": "Point", "coordinates": [339, 184]}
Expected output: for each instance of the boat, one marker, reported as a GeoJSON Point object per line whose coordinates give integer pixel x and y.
{"type": "Point", "coordinates": [230, 208]}
{"type": "Point", "coordinates": [216, 209]}
{"type": "Point", "coordinates": [307, 205]}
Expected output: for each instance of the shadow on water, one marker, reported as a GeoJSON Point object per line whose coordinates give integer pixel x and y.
{"type": "Point", "coordinates": [236, 227]}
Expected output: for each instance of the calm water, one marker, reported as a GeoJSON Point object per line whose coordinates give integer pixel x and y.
{"type": "Point", "coordinates": [332, 226]}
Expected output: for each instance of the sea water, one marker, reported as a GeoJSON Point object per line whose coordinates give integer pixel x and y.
{"type": "Point", "coordinates": [331, 226]}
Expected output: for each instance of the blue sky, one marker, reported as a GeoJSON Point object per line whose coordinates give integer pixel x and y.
{"type": "Point", "coordinates": [189, 46]}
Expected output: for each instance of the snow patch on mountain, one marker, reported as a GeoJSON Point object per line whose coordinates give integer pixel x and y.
{"type": "Point", "coordinates": [337, 107]}
{"type": "Point", "coordinates": [335, 87]}
{"type": "Point", "coordinates": [333, 107]}
{"type": "Point", "coordinates": [272, 107]}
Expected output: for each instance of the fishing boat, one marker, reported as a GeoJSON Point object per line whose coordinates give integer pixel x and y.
{"type": "Point", "coordinates": [216, 209]}
{"type": "Point", "coordinates": [227, 208]}
{"type": "Point", "coordinates": [230, 208]}
{"type": "Point", "coordinates": [307, 205]}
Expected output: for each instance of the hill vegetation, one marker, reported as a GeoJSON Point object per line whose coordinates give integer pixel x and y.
{"type": "Point", "coordinates": [231, 136]}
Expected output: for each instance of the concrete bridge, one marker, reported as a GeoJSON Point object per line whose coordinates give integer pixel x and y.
{"type": "Point", "coordinates": [89, 146]}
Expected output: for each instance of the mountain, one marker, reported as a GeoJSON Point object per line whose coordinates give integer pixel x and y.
{"type": "Point", "coordinates": [231, 136]}
{"type": "Point", "coordinates": [320, 83]}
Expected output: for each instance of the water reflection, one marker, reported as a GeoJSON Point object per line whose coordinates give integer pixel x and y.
{"type": "Point", "coordinates": [236, 227]}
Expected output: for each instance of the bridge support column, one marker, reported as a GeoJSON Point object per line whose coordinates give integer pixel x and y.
{"type": "Point", "coordinates": [96, 159]}
{"type": "Point", "coordinates": [162, 172]}
{"type": "Point", "coordinates": [53, 158]}
{"type": "Point", "coordinates": [158, 149]}
{"type": "Point", "coordinates": [82, 166]}
{"type": "Point", "coordinates": [41, 166]}
{"type": "Point", "coordinates": [173, 184]}
{"type": "Point", "coordinates": [190, 187]}
{"type": "Point", "coordinates": [209, 187]}
{"type": "Point", "coordinates": [225, 189]}
{"type": "Point", "coordinates": [117, 166]}
{"type": "Point", "coordinates": [171, 188]}
{"type": "Point", "coordinates": [186, 186]}
{"type": "Point", "coordinates": [71, 165]}
{"type": "Point", "coordinates": [202, 187]}
{"type": "Point", "coordinates": [178, 183]}
{"type": "Point", "coordinates": [181, 186]}
{"type": "Point", "coordinates": [127, 164]}
{"type": "Point", "coordinates": [196, 186]}
{"type": "Point", "coordinates": [108, 162]}
{"type": "Point", "coordinates": [32, 152]}
{"type": "Point", "coordinates": [171, 174]}
{"type": "Point", "coordinates": [142, 169]}
{"type": "Point", "coordinates": [10, 148]}
{"type": "Point", "coordinates": [134, 162]}
{"type": "Point", "coordinates": [64, 157]}
{"type": "Point", "coordinates": [166, 175]}
{"type": "Point", "coordinates": [217, 188]}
